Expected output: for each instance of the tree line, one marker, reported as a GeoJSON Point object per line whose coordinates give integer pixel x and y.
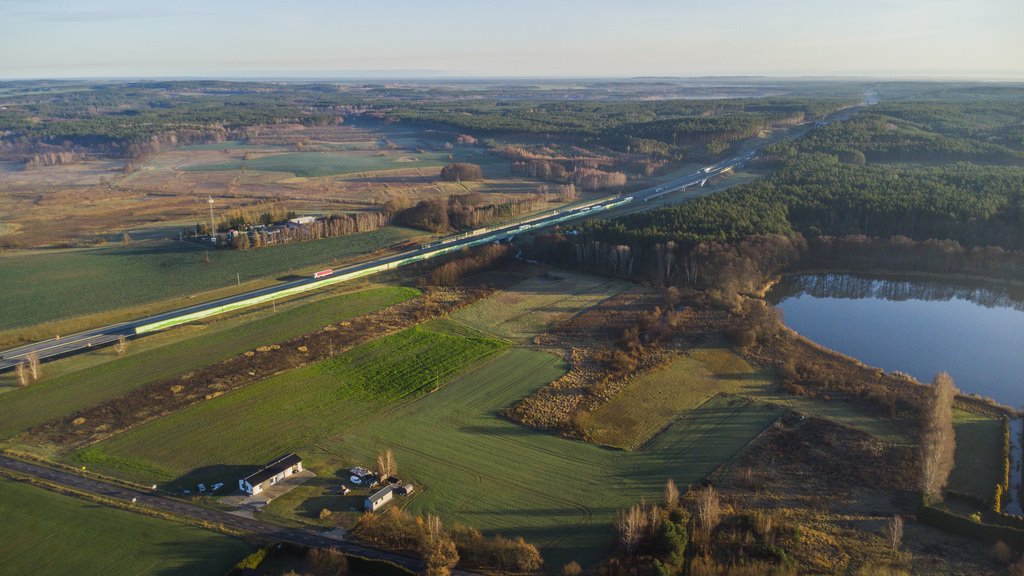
{"type": "Point", "coordinates": [459, 211]}
{"type": "Point", "coordinates": [880, 138]}
{"type": "Point", "coordinates": [445, 548]}
{"type": "Point", "coordinates": [817, 195]}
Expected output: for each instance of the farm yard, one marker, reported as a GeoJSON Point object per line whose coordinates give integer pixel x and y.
{"type": "Point", "coordinates": [72, 386]}
{"type": "Point", "coordinates": [46, 533]}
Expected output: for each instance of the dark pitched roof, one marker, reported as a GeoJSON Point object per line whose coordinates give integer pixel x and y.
{"type": "Point", "coordinates": [380, 493]}
{"type": "Point", "coordinates": [273, 468]}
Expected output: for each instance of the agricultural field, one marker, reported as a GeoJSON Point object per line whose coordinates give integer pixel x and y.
{"type": "Point", "coordinates": [979, 455]}
{"type": "Point", "coordinates": [311, 170]}
{"type": "Point", "coordinates": [48, 533]}
{"type": "Point", "coordinates": [475, 466]}
{"type": "Point", "coordinates": [232, 433]}
{"type": "Point", "coordinates": [318, 164]}
{"type": "Point", "coordinates": [654, 399]}
{"type": "Point", "coordinates": [533, 306]}
{"type": "Point", "coordinates": [37, 288]}
{"type": "Point", "coordinates": [192, 347]}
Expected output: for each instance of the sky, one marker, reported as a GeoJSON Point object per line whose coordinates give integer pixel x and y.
{"type": "Point", "coordinates": [511, 38]}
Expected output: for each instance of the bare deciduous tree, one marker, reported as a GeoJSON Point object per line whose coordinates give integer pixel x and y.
{"type": "Point", "coordinates": [671, 495]}
{"type": "Point", "coordinates": [386, 463]}
{"type": "Point", "coordinates": [894, 532]}
{"type": "Point", "coordinates": [34, 366]}
{"type": "Point", "coordinates": [631, 525]}
{"type": "Point", "coordinates": [709, 512]}
{"type": "Point", "coordinates": [437, 548]}
{"type": "Point", "coordinates": [22, 373]}
{"type": "Point", "coordinates": [938, 440]}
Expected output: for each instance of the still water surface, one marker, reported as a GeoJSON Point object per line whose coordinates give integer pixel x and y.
{"type": "Point", "coordinates": [976, 333]}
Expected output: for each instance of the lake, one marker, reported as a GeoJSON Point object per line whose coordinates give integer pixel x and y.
{"type": "Point", "coordinates": [974, 332]}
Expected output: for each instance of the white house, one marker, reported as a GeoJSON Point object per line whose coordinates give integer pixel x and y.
{"type": "Point", "coordinates": [378, 499]}
{"type": "Point", "coordinates": [271, 474]}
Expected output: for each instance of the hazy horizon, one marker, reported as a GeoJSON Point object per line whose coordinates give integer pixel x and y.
{"type": "Point", "coordinates": [457, 39]}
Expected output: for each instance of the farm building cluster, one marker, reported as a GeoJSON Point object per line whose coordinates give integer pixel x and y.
{"type": "Point", "coordinates": [391, 487]}
{"type": "Point", "coordinates": [297, 229]}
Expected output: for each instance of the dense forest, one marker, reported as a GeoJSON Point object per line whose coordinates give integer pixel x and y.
{"type": "Point", "coordinates": [912, 172]}
{"type": "Point", "coordinates": [816, 194]}
{"type": "Point", "coordinates": [659, 127]}
{"type": "Point", "coordinates": [922, 187]}
{"type": "Point", "coordinates": [136, 119]}
{"type": "Point", "coordinates": [131, 120]}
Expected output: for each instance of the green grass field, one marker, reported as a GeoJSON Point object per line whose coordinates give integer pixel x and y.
{"type": "Point", "coordinates": [59, 396]}
{"type": "Point", "coordinates": [317, 164]}
{"type": "Point", "coordinates": [40, 287]}
{"type": "Point", "coordinates": [531, 307]}
{"type": "Point", "coordinates": [287, 412]}
{"type": "Point", "coordinates": [653, 400]}
{"type": "Point", "coordinates": [482, 470]}
{"type": "Point", "coordinates": [47, 533]}
{"type": "Point", "coordinates": [407, 363]}
{"type": "Point", "coordinates": [979, 456]}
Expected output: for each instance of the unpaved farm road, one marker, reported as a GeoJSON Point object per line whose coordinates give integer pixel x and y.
{"type": "Point", "coordinates": [263, 530]}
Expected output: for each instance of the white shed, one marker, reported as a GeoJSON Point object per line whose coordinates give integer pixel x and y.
{"type": "Point", "coordinates": [378, 499]}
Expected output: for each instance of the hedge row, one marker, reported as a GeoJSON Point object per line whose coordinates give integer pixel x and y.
{"type": "Point", "coordinates": [964, 526]}
{"type": "Point", "coordinates": [356, 564]}
{"type": "Point", "coordinates": [1004, 478]}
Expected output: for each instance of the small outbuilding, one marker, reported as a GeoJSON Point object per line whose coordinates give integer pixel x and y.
{"type": "Point", "coordinates": [405, 490]}
{"type": "Point", "coordinates": [378, 499]}
{"type": "Point", "coordinates": [272, 473]}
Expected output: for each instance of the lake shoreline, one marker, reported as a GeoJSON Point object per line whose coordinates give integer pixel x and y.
{"type": "Point", "coordinates": [913, 323]}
